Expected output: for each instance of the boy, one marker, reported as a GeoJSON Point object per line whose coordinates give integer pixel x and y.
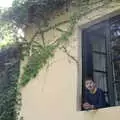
{"type": "Point", "coordinates": [94, 97]}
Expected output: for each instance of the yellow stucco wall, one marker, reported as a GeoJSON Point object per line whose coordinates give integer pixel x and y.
{"type": "Point", "coordinates": [52, 95]}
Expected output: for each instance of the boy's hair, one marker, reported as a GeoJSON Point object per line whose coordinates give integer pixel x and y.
{"type": "Point", "coordinates": [89, 78]}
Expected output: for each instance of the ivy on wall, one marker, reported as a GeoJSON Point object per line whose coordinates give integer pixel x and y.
{"type": "Point", "coordinates": [38, 61]}
{"type": "Point", "coordinates": [10, 97]}
{"type": "Point", "coordinates": [39, 53]}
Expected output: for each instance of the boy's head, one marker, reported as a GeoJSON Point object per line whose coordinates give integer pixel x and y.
{"type": "Point", "coordinates": [90, 84]}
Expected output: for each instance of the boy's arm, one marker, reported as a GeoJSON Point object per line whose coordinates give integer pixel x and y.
{"type": "Point", "coordinates": [101, 102]}
{"type": "Point", "coordinates": [86, 104]}
{"type": "Point", "coordinates": [86, 97]}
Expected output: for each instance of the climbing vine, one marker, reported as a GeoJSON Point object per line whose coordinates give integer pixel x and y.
{"type": "Point", "coordinates": [39, 53]}
{"type": "Point", "coordinates": [36, 61]}
{"type": "Point", "coordinates": [10, 97]}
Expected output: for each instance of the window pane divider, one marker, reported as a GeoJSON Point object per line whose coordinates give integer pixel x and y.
{"type": "Point", "coordinates": [98, 52]}
{"type": "Point", "coordinates": [95, 70]}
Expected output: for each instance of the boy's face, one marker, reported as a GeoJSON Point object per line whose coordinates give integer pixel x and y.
{"type": "Point", "coordinates": [90, 85]}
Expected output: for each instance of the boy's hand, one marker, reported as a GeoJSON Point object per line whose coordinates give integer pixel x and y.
{"type": "Point", "coordinates": [88, 106]}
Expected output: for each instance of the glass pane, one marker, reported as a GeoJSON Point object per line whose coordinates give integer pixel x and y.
{"type": "Point", "coordinates": [99, 62]}
{"type": "Point", "coordinates": [115, 45]}
{"type": "Point", "coordinates": [98, 45]}
{"type": "Point", "coordinates": [116, 75]}
{"type": "Point", "coordinates": [117, 88]}
{"type": "Point", "coordinates": [100, 79]}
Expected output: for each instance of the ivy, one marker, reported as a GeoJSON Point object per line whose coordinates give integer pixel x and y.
{"type": "Point", "coordinates": [10, 96]}
{"type": "Point", "coordinates": [37, 61]}
{"type": "Point", "coordinates": [39, 54]}
{"type": "Point", "coordinates": [25, 12]}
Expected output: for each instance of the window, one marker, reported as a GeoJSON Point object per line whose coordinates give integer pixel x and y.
{"type": "Point", "coordinates": [101, 58]}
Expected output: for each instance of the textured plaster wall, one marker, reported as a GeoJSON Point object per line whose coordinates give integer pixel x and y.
{"type": "Point", "coordinates": [53, 94]}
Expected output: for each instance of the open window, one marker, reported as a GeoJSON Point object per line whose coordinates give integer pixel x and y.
{"type": "Point", "coordinates": [101, 58]}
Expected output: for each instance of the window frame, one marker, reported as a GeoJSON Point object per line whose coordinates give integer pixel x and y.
{"type": "Point", "coordinates": [81, 68]}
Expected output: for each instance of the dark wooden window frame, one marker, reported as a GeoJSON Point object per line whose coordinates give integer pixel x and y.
{"type": "Point", "coordinates": [110, 85]}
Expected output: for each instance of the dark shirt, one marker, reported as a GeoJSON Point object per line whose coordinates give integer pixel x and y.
{"type": "Point", "coordinates": [97, 99]}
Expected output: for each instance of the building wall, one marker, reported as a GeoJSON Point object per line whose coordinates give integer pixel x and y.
{"type": "Point", "coordinates": [54, 93]}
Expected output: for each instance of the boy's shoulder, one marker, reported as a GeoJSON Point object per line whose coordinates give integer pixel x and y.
{"type": "Point", "coordinates": [100, 90]}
